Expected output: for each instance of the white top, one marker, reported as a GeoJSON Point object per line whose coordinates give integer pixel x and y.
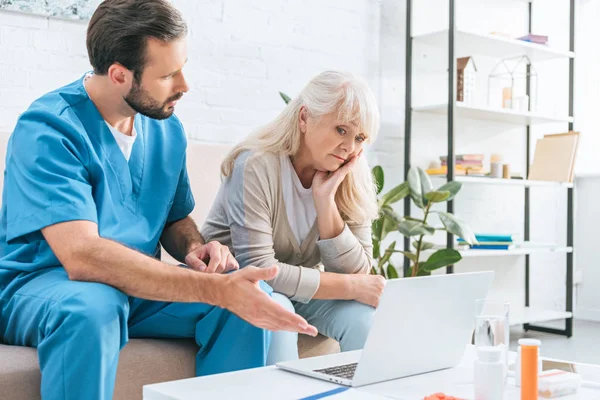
{"type": "Point", "coordinates": [124, 141]}
{"type": "Point", "coordinates": [299, 204]}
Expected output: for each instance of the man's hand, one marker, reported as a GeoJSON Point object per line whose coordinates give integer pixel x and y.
{"type": "Point", "coordinates": [211, 257]}
{"type": "Point", "coordinates": [243, 296]}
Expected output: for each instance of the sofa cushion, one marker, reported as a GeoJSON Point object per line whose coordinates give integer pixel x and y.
{"type": "Point", "coordinates": [142, 362]}
{"type": "Point", "coordinates": [19, 373]}
{"type": "Point", "coordinates": [320, 345]}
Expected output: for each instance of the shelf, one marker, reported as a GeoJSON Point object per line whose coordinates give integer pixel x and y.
{"type": "Point", "coordinates": [519, 251]}
{"type": "Point", "coordinates": [528, 315]}
{"type": "Point", "coordinates": [470, 44]}
{"type": "Point", "coordinates": [504, 182]}
{"type": "Point", "coordinates": [494, 114]}
{"type": "Point", "coordinates": [528, 248]}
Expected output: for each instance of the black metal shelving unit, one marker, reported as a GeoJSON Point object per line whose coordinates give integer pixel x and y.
{"type": "Point", "coordinates": [451, 119]}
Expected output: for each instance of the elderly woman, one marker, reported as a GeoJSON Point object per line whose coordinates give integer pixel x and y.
{"type": "Point", "coordinates": [299, 194]}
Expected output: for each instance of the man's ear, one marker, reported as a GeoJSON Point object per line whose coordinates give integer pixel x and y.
{"type": "Point", "coordinates": [119, 75]}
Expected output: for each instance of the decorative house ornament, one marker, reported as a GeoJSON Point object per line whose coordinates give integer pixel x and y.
{"type": "Point", "coordinates": [465, 79]}
{"type": "Point", "coordinates": [507, 85]}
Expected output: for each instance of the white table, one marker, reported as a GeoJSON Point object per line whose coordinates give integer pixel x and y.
{"type": "Point", "coordinates": [273, 383]}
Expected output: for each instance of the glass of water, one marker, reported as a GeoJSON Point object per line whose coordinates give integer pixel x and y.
{"type": "Point", "coordinates": [492, 326]}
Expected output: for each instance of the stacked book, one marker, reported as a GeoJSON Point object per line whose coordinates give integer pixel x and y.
{"type": "Point", "coordinates": [465, 164]}
{"type": "Point", "coordinates": [531, 38]}
{"type": "Point", "coordinates": [490, 242]}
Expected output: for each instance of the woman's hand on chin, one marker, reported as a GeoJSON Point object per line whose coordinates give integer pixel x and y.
{"type": "Point", "coordinates": [325, 184]}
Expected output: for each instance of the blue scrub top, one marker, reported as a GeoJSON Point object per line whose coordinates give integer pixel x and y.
{"type": "Point", "coordinates": [63, 164]}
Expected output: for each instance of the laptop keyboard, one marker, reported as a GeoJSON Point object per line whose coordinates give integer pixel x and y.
{"type": "Point", "coordinates": [341, 371]}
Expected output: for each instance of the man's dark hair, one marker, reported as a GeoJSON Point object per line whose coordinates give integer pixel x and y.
{"type": "Point", "coordinates": [119, 30]}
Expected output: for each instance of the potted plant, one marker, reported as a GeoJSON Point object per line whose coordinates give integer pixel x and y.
{"type": "Point", "coordinates": [421, 191]}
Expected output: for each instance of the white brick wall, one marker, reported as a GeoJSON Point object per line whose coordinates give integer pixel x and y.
{"type": "Point", "coordinates": [36, 55]}
{"type": "Point", "coordinates": [241, 53]}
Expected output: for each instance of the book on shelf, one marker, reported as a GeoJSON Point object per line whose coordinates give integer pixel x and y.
{"type": "Point", "coordinates": [506, 246]}
{"type": "Point", "coordinates": [466, 163]}
{"type": "Point", "coordinates": [554, 158]}
{"type": "Point", "coordinates": [459, 170]}
{"type": "Point", "coordinates": [487, 237]}
{"type": "Point", "coordinates": [464, 157]}
{"type": "Point", "coordinates": [489, 243]}
{"type": "Point", "coordinates": [531, 38]}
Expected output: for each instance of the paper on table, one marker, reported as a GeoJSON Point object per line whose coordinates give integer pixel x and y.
{"type": "Point", "coordinates": [457, 382]}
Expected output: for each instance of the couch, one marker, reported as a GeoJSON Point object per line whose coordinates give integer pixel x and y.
{"type": "Point", "coordinates": [142, 361]}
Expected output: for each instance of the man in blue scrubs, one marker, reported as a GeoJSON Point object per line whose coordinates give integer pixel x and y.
{"type": "Point", "coordinates": [95, 181]}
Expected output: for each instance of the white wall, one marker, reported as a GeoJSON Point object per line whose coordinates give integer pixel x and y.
{"type": "Point", "coordinates": [587, 89]}
{"type": "Point", "coordinates": [587, 222]}
{"type": "Point", "coordinates": [241, 53]}
{"type": "Point", "coordinates": [587, 216]}
{"type": "Point", "coordinates": [36, 55]}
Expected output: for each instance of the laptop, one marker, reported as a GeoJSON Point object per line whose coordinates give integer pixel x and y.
{"type": "Point", "coordinates": [421, 325]}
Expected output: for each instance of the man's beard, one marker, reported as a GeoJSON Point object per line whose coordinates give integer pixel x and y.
{"type": "Point", "coordinates": [140, 101]}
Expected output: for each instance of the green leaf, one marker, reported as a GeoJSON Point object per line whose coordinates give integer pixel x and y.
{"type": "Point", "coordinates": [376, 228]}
{"type": "Point", "coordinates": [396, 194]}
{"type": "Point", "coordinates": [386, 256]}
{"type": "Point", "coordinates": [414, 182]}
{"type": "Point", "coordinates": [420, 271]}
{"type": "Point", "coordinates": [389, 225]}
{"type": "Point", "coordinates": [452, 187]}
{"type": "Point", "coordinates": [408, 254]}
{"type": "Point", "coordinates": [441, 258]}
{"type": "Point", "coordinates": [414, 228]}
{"type": "Point", "coordinates": [388, 212]}
{"type": "Point", "coordinates": [419, 184]}
{"type": "Point", "coordinates": [437, 196]}
{"type": "Point", "coordinates": [457, 227]}
{"type": "Point", "coordinates": [376, 250]}
{"type": "Point", "coordinates": [373, 270]}
{"type": "Point", "coordinates": [285, 97]}
{"type": "Point", "coordinates": [426, 185]}
{"type": "Point", "coordinates": [424, 245]}
{"type": "Point", "coordinates": [378, 176]}
{"type": "Point", "coordinates": [389, 221]}
{"type": "Point", "coordinates": [392, 273]}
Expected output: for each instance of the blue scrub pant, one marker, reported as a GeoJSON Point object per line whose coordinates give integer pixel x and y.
{"type": "Point", "coordinates": [80, 327]}
{"type": "Point", "coordinates": [346, 321]}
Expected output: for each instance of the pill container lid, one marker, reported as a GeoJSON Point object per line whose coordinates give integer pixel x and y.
{"type": "Point", "coordinates": [529, 342]}
{"type": "Point", "coordinates": [489, 353]}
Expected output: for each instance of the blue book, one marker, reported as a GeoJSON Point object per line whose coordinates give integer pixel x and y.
{"type": "Point", "coordinates": [492, 247]}
{"type": "Point", "coordinates": [491, 238]}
